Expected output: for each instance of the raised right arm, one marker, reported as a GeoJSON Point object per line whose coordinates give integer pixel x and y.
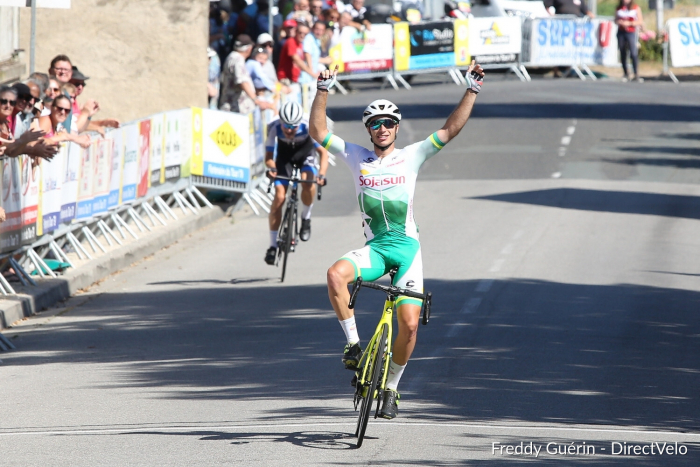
{"type": "Point", "coordinates": [317, 120]}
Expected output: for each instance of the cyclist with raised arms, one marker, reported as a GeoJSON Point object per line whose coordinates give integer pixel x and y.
{"type": "Point", "coordinates": [385, 180]}
{"type": "Point", "coordinates": [295, 148]}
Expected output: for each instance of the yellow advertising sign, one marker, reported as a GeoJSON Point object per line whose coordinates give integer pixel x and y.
{"type": "Point", "coordinates": [462, 55]}
{"type": "Point", "coordinates": [197, 142]}
{"type": "Point", "coordinates": [226, 138]}
{"type": "Point", "coordinates": [402, 47]}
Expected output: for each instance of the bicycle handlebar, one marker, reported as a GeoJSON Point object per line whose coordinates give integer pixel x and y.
{"type": "Point", "coordinates": [269, 186]}
{"type": "Point", "coordinates": [393, 291]}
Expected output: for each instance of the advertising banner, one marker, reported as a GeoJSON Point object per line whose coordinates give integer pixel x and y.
{"type": "Point", "coordinates": [144, 157]}
{"type": "Point", "coordinates": [85, 182]}
{"type": "Point", "coordinates": [257, 143]}
{"type": "Point", "coordinates": [69, 187]}
{"type": "Point", "coordinates": [443, 44]}
{"type": "Point", "coordinates": [495, 40]}
{"type": "Point", "coordinates": [684, 41]}
{"type": "Point", "coordinates": [30, 200]}
{"type": "Point", "coordinates": [115, 178]}
{"type": "Point", "coordinates": [102, 150]}
{"type": "Point", "coordinates": [224, 145]}
{"type": "Point", "coordinates": [156, 140]}
{"type": "Point", "coordinates": [175, 126]}
{"type": "Point", "coordinates": [573, 42]}
{"type": "Point", "coordinates": [130, 175]}
{"type": "Point", "coordinates": [12, 203]}
{"type": "Point", "coordinates": [364, 51]}
{"type": "Point", "coordinates": [50, 195]}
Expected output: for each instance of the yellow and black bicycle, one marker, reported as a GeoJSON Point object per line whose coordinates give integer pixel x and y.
{"type": "Point", "coordinates": [373, 368]}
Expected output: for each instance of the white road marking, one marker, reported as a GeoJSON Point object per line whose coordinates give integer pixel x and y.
{"type": "Point", "coordinates": [471, 305]}
{"type": "Point", "coordinates": [376, 423]}
{"type": "Point", "coordinates": [570, 130]}
{"type": "Point", "coordinates": [497, 265]}
{"type": "Point", "coordinates": [556, 175]}
{"type": "Point", "coordinates": [565, 140]}
{"type": "Point", "coordinates": [562, 151]}
{"type": "Point", "coordinates": [508, 249]}
{"type": "Point", "coordinates": [484, 285]}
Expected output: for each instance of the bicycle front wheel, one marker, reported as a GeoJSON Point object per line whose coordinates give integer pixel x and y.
{"type": "Point", "coordinates": [375, 363]}
{"type": "Point", "coordinates": [289, 219]}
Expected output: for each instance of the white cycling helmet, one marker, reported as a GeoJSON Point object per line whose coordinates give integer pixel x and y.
{"type": "Point", "coordinates": [291, 113]}
{"type": "Point", "coordinates": [381, 107]}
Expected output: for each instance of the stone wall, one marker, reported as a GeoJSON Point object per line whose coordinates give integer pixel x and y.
{"type": "Point", "coordinates": [142, 56]}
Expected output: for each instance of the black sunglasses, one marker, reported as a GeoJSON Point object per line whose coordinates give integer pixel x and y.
{"type": "Point", "coordinates": [7, 101]}
{"type": "Point", "coordinates": [26, 97]}
{"type": "Point", "coordinates": [388, 123]}
{"type": "Point", "coordinates": [61, 109]}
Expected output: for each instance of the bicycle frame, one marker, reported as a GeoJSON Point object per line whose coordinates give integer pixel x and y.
{"type": "Point", "coordinates": [387, 318]}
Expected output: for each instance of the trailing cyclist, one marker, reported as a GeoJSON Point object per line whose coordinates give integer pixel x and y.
{"type": "Point", "coordinates": [385, 180]}
{"type": "Point", "coordinates": [295, 148]}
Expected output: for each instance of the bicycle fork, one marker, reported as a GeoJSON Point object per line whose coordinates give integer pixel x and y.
{"type": "Point", "coordinates": [365, 364]}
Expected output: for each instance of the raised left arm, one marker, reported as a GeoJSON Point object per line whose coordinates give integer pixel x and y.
{"type": "Point", "coordinates": [459, 116]}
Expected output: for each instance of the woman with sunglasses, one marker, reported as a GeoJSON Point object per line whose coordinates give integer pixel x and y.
{"type": "Point", "coordinates": [52, 125]}
{"type": "Point", "coordinates": [385, 183]}
{"type": "Point", "coordinates": [8, 101]}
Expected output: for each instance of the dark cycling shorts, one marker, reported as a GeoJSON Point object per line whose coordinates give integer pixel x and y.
{"type": "Point", "coordinates": [288, 157]}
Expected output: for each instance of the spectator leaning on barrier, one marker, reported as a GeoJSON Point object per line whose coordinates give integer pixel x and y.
{"type": "Point", "coordinates": [628, 18]}
{"type": "Point", "coordinates": [9, 146]}
{"type": "Point", "coordinates": [22, 113]}
{"type": "Point", "coordinates": [35, 90]}
{"type": "Point", "coordinates": [254, 65]}
{"type": "Point", "coordinates": [54, 125]}
{"type": "Point", "coordinates": [54, 88]}
{"type": "Point", "coordinates": [357, 10]}
{"type": "Point", "coordinates": [61, 68]}
{"type": "Point", "coordinates": [237, 90]}
{"type": "Point", "coordinates": [292, 57]}
{"type": "Point", "coordinates": [265, 41]}
{"type": "Point", "coordinates": [42, 79]}
{"type": "Point", "coordinates": [78, 80]}
{"type": "Point", "coordinates": [8, 101]}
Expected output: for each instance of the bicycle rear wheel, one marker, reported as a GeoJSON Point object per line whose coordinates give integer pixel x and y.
{"type": "Point", "coordinates": [375, 362]}
{"type": "Point", "coordinates": [290, 215]}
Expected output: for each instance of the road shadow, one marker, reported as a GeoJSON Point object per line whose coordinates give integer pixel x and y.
{"type": "Point", "coordinates": [675, 150]}
{"type": "Point", "coordinates": [538, 110]}
{"type": "Point", "coordinates": [536, 351]}
{"type": "Point", "coordinates": [623, 202]}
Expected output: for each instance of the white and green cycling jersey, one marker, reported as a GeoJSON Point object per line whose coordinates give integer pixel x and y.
{"type": "Point", "coordinates": [385, 186]}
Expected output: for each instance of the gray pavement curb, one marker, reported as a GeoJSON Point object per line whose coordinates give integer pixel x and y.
{"type": "Point", "coordinates": [50, 291]}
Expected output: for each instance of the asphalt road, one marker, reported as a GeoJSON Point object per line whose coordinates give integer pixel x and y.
{"type": "Point", "coordinates": [559, 235]}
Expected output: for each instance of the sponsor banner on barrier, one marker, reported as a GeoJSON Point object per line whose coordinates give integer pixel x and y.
{"type": "Point", "coordinates": [175, 125]}
{"type": "Point", "coordinates": [130, 176]}
{"type": "Point", "coordinates": [102, 150]}
{"type": "Point", "coordinates": [224, 145]}
{"type": "Point", "coordinates": [365, 51]}
{"type": "Point", "coordinates": [85, 182]}
{"type": "Point", "coordinates": [144, 154]}
{"type": "Point", "coordinates": [30, 200]}
{"type": "Point", "coordinates": [51, 178]}
{"type": "Point", "coordinates": [12, 203]}
{"type": "Point", "coordinates": [434, 45]}
{"type": "Point", "coordinates": [495, 40]}
{"type": "Point", "coordinates": [115, 178]}
{"type": "Point", "coordinates": [684, 41]}
{"type": "Point", "coordinates": [156, 147]}
{"type": "Point", "coordinates": [257, 144]}
{"type": "Point", "coordinates": [69, 187]}
{"type": "Point", "coordinates": [573, 42]}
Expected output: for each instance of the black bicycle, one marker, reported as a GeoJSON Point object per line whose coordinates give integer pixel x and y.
{"type": "Point", "coordinates": [373, 368]}
{"type": "Point", "coordinates": [288, 233]}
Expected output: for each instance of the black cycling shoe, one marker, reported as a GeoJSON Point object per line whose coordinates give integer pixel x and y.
{"type": "Point", "coordinates": [390, 407]}
{"type": "Point", "coordinates": [271, 255]}
{"type": "Point", "coordinates": [352, 356]}
{"type": "Point", "coordinates": [305, 232]}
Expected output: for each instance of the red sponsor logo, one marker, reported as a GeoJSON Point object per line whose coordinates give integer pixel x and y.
{"type": "Point", "coordinates": [377, 182]}
{"type": "Point", "coordinates": [381, 64]}
{"type": "Point", "coordinates": [604, 33]}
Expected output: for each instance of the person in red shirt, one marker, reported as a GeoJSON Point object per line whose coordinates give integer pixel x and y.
{"type": "Point", "coordinates": [628, 18]}
{"type": "Point", "coordinates": [292, 57]}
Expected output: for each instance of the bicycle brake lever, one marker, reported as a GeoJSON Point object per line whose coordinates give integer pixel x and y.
{"type": "Point", "coordinates": [355, 291]}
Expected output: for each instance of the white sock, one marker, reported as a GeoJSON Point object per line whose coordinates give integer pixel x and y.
{"type": "Point", "coordinates": [273, 238]}
{"type": "Point", "coordinates": [350, 330]}
{"type": "Point", "coordinates": [306, 212]}
{"type": "Point", "coordinates": [395, 372]}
